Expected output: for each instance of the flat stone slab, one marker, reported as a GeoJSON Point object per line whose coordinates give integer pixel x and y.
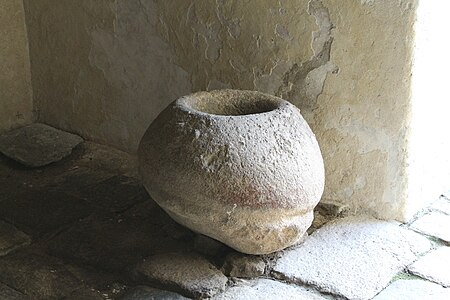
{"type": "Point", "coordinates": [354, 257]}
{"type": "Point", "coordinates": [114, 194]}
{"type": "Point", "coordinates": [186, 273]}
{"type": "Point", "coordinates": [37, 145]}
{"type": "Point", "coordinates": [263, 289]}
{"type": "Point", "coordinates": [8, 293]}
{"type": "Point", "coordinates": [40, 277]}
{"type": "Point", "coordinates": [442, 204]}
{"type": "Point", "coordinates": [11, 238]}
{"type": "Point", "coordinates": [43, 211]}
{"type": "Point", "coordinates": [115, 242]}
{"type": "Point", "coordinates": [435, 223]}
{"type": "Point", "coordinates": [413, 290]}
{"type": "Point", "coordinates": [145, 292]}
{"type": "Point", "coordinates": [435, 266]}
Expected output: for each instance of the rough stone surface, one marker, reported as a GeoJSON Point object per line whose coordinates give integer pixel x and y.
{"type": "Point", "coordinates": [354, 257]}
{"type": "Point", "coordinates": [11, 238]}
{"type": "Point", "coordinates": [241, 167]}
{"type": "Point", "coordinates": [413, 290]}
{"type": "Point", "coordinates": [434, 266]}
{"type": "Point", "coordinates": [37, 276]}
{"type": "Point", "coordinates": [15, 78]}
{"type": "Point", "coordinates": [37, 145]}
{"type": "Point", "coordinates": [435, 223]}
{"type": "Point", "coordinates": [8, 293]}
{"type": "Point", "coordinates": [145, 292]}
{"type": "Point", "coordinates": [189, 274]}
{"type": "Point", "coordinates": [243, 266]}
{"type": "Point", "coordinates": [303, 51]}
{"type": "Point", "coordinates": [263, 289]}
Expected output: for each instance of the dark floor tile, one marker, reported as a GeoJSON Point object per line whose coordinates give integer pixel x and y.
{"type": "Point", "coordinates": [116, 243]}
{"type": "Point", "coordinates": [42, 211]}
{"type": "Point", "coordinates": [114, 194]}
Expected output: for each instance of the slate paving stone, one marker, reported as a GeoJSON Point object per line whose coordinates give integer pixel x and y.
{"type": "Point", "coordinates": [434, 266]}
{"type": "Point", "coordinates": [187, 273]}
{"type": "Point", "coordinates": [263, 289]}
{"type": "Point", "coordinates": [145, 292]}
{"type": "Point", "coordinates": [435, 224]}
{"type": "Point", "coordinates": [243, 266]}
{"type": "Point", "coordinates": [11, 238]}
{"type": "Point", "coordinates": [413, 290]}
{"type": "Point", "coordinates": [353, 257]}
{"type": "Point", "coordinates": [43, 211]}
{"type": "Point", "coordinates": [442, 204]}
{"type": "Point", "coordinates": [38, 276]}
{"type": "Point", "coordinates": [114, 194]}
{"type": "Point", "coordinates": [7, 293]}
{"type": "Point", "coordinates": [116, 242]}
{"type": "Point", "coordinates": [37, 145]}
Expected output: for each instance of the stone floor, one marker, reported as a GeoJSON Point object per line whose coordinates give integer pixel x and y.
{"type": "Point", "coordinates": [84, 228]}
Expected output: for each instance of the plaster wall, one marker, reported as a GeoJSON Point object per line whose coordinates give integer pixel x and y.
{"type": "Point", "coordinates": [16, 106]}
{"type": "Point", "coordinates": [105, 69]}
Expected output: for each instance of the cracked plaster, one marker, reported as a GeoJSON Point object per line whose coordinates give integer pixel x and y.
{"type": "Point", "coordinates": [109, 67]}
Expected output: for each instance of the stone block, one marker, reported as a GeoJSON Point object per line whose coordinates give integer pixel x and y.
{"type": "Point", "coordinates": [263, 289]}
{"type": "Point", "coordinates": [435, 224]}
{"type": "Point", "coordinates": [37, 145]}
{"type": "Point", "coordinates": [186, 273]}
{"type": "Point", "coordinates": [434, 266]}
{"type": "Point", "coordinates": [413, 289]}
{"type": "Point", "coordinates": [354, 257]}
{"type": "Point", "coordinates": [11, 238]}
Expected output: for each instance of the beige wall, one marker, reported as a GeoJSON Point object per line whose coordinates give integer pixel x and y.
{"type": "Point", "coordinates": [106, 68]}
{"type": "Point", "coordinates": [15, 83]}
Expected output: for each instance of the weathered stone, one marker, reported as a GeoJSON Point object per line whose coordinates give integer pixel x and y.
{"type": "Point", "coordinates": [11, 238]}
{"type": "Point", "coordinates": [434, 266]}
{"type": "Point", "coordinates": [8, 293]}
{"type": "Point", "coordinates": [145, 292]}
{"type": "Point", "coordinates": [413, 290]}
{"type": "Point", "coordinates": [442, 204]}
{"type": "Point", "coordinates": [43, 211]}
{"type": "Point", "coordinates": [241, 167]}
{"type": "Point", "coordinates": [38, 276]}
{"type": "Point", "coordinates": [37, 144]}
{"type": "Point", "coordinates": [263, 289]}
{"type": "Point", "coordinates": [354, 257]}
{"type": "Point", "coordinates": [114, 243]}
{"type": "Point", "coordinates": [435, 223]}
{"type": "Point", "coordinates": [243, 266]}
{"type": "Point", "coordinates": [187, 273]}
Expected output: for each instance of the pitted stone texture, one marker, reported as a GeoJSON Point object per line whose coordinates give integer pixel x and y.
{"type": "Point", "coordinates": [263, 289]}
{"type": "Point", "coordinates": [434, 266]}
{"type": "Point", "coordinates": [188, 274]}
{"type": "Point", "coordinates": [145, 292]}
{"type": "Point", "coordinates": [11, 238]}
{"type": "Point", "coordinates": [413, 290]}
{"type": "Point", "coordinates": [8, 293]}
{"type": "Point", "coordinates": [241, 167]}
{"type": "Point", "coordinates": [243, 266]}
{"type": "Point", "coordinates": [354, 257]}
{"type": "Point", "coordinates": [435, 223]}
{"type": "Point", "coordinates": [38, 276]}
{"type": "Point", "coordinates": [37, 145]}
